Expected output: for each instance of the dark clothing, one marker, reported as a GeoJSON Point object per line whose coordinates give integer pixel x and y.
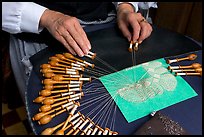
{"type": "Point", "coordinates": [87, 11]}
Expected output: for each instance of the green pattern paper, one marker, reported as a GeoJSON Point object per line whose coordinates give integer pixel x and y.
{"type": "Point", "coordinates": [148, 87]}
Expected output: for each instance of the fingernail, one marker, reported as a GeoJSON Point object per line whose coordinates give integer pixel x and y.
{"type": "Point", "coordinates": [89, 46]}
{"type": "Point", "coordinates": [86, 52]}
{"type": "Point", "coordinates": [129, 39]}
{"type": "Point", "coordinates": [140, 42]}
{"type": "Point", "coordinates": [81, 54]}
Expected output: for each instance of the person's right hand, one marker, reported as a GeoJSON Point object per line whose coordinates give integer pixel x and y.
{"type": "Point", "coordinates": [67, 30]}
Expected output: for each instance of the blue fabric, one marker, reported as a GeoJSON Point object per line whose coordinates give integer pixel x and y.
{"type": "Point", "coordinates": [112, 48]}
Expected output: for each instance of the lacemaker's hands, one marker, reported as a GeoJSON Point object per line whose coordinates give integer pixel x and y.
{"type": "Point", "coordinates": [126, 17]}
{"type": "Point", "coordinates": [67, 30]}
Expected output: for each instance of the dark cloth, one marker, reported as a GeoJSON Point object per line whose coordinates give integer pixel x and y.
{"type": "Point", "coordinates": [161, 124]}
{"type": "Point", "coordinates": [86, 11]}
{"type": "Point", "coordinates": [112, 47]}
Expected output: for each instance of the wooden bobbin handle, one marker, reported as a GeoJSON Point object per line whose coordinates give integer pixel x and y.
{"type": "Point", "coordinates": [189, 57]}
{"type": "Point", "coordinates": [194, 65]}
{"type": "Point", "coordinates": [188, 74]}
{"type": "Point", "coordinates": [130, 47]}
{"type": "Point", "coordinates": [49, 131]}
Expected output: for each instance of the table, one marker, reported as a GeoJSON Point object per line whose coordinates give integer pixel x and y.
{"type": "Point", "coordinates": [111, 46]}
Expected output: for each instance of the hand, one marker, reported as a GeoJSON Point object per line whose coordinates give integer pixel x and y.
{"type": "Point", "coordinates": [67, 30]}
{"type": "Point", "coordinates": [126, 17]}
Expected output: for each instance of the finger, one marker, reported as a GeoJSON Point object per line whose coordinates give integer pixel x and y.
{"type": "Point", "coordinates": [73, 31]}
{"type": "Point", "coordinates": [124, 28]}
{"type": "Point", "coordinates": [145, 31]}
{"type": "Point", "coordinates": [72, 43]}
{"type": "Point", "coordinates": [66, 45]}
{"type": "Point", "coordinates": [83, 34]}
{"type": "Point", "coordinates": [135, 26]}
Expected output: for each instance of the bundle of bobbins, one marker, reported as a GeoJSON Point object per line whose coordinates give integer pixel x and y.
{"type": "Point", "coordinates": [61, 93]}
{"type": "Point", "coordinates": [195, 69]}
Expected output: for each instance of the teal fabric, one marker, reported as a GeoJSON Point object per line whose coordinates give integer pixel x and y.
{"type": "Point", "coordinates": [156, 88]}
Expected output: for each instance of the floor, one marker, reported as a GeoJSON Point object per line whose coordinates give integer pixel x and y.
{"type": "Point", "coordinates": [14, 117]}
{"type": "Point", "coordinates": [14, 121]}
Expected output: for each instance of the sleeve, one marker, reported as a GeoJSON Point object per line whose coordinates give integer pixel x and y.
{"type": "Point", "coordinates": [20, 17]}
{"type": "Point", "coordinates": [134, 4]}
{"type": "Point", "coordinates": [147, 5]}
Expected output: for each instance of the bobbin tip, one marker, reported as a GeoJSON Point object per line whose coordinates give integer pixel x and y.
{"type": "Point", "coordinates": [130, 49]}
{"type": "Point", "coordinates": [169, 67]}
{"type": "Point", "coordinates": [77, 103]}
{"type": "Point", "coordinates": [92, 65]}
{"type": "Point", "coordinates": [168, 61]}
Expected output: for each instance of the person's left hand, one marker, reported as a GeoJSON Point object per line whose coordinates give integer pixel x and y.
{"type": "Point", "coordinates": [133, 25]}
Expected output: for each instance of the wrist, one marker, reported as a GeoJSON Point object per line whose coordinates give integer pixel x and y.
{"type": "Point", "coordinates": [125, 7]}
{"type": "Point", "coordinates": [48, 17]}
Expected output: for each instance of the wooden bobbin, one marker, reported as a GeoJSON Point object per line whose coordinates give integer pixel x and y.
{"type": "Point", "coordinates": [75, 127]}
{"type": "Point", "coordinates": [48, 66]}
{"type": "Point", "coordinates": [74, 99]}
{"type": "Point", "coordinates": [62, 57]}
{"type": "Point", "coordinates": [189, 57]}
{"type": "Point", "coordinates": [56, 59]}
{"type": "Point", "coordinates": [71, 114]}
{"type": "Point", "coordinates": [47, 118]}
{"type": "Point", "coordinates": [74, 85]}
{"type": "Point", "coordinates": [130, 47]}
{"type": "Point", "coordinates": [38, 116]}
{"type": "Point", "coordinates": [188, 74]}
{"type": "Point", "coordinates": [61, 78]}
{"type": "Point", "coordinates": [49, 101]}
{"type": "Point", "coordinates": [84, 132]}
{"type": "Point", "coordinates": [194, 65]}
{"type": "Point", "coordinates": [81, 116]}
{"type": "Point", "coordinates": [48, 75]}
{"type": "Point", "coordinates": [106, 131]}
{"type": "Point", "coordinates": [114, 133]}
{"type": "Point", "coordinates": [40, 99]}
{"type": "Point", "coordinates": [49, 131]}
{"type": "Point", "coordinates": [48, 70]}
{"type": "Point", "coordinates": [80, 64]}
{"type": "Point", "coordinates": [47, 92]}
{"type": "Point", "coordinates": [76, 117]}
{"type": "Point", "coordinates": [92, 54]}
{"type": "Point", "coordinates": [89, 131]}
{"type": "Point", "coordinates": [95, 130]}
{"type": "Point", "coordinates": [51, 87]}
{"type": "Point", "coordinates": [50, 82]}
{"type": "Point", "coordinates": [81, 94]}
{"type": "Point", "coordinates": [100, 131]}
{"type": "Point", "coordinates": [46, 108]}
{"type": "Point", "coordinates": [69, 86]}
{"type": "Point", "coordinates": [55, 63]}
{"type": "Point", "coordinates": [68, 55]}
{"type": "Point", "coordinates": [187, 70]}
{"type": "Point", "coordinates": [136, 46]}
{"type": "Point", "coordinates": [81, 126]}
